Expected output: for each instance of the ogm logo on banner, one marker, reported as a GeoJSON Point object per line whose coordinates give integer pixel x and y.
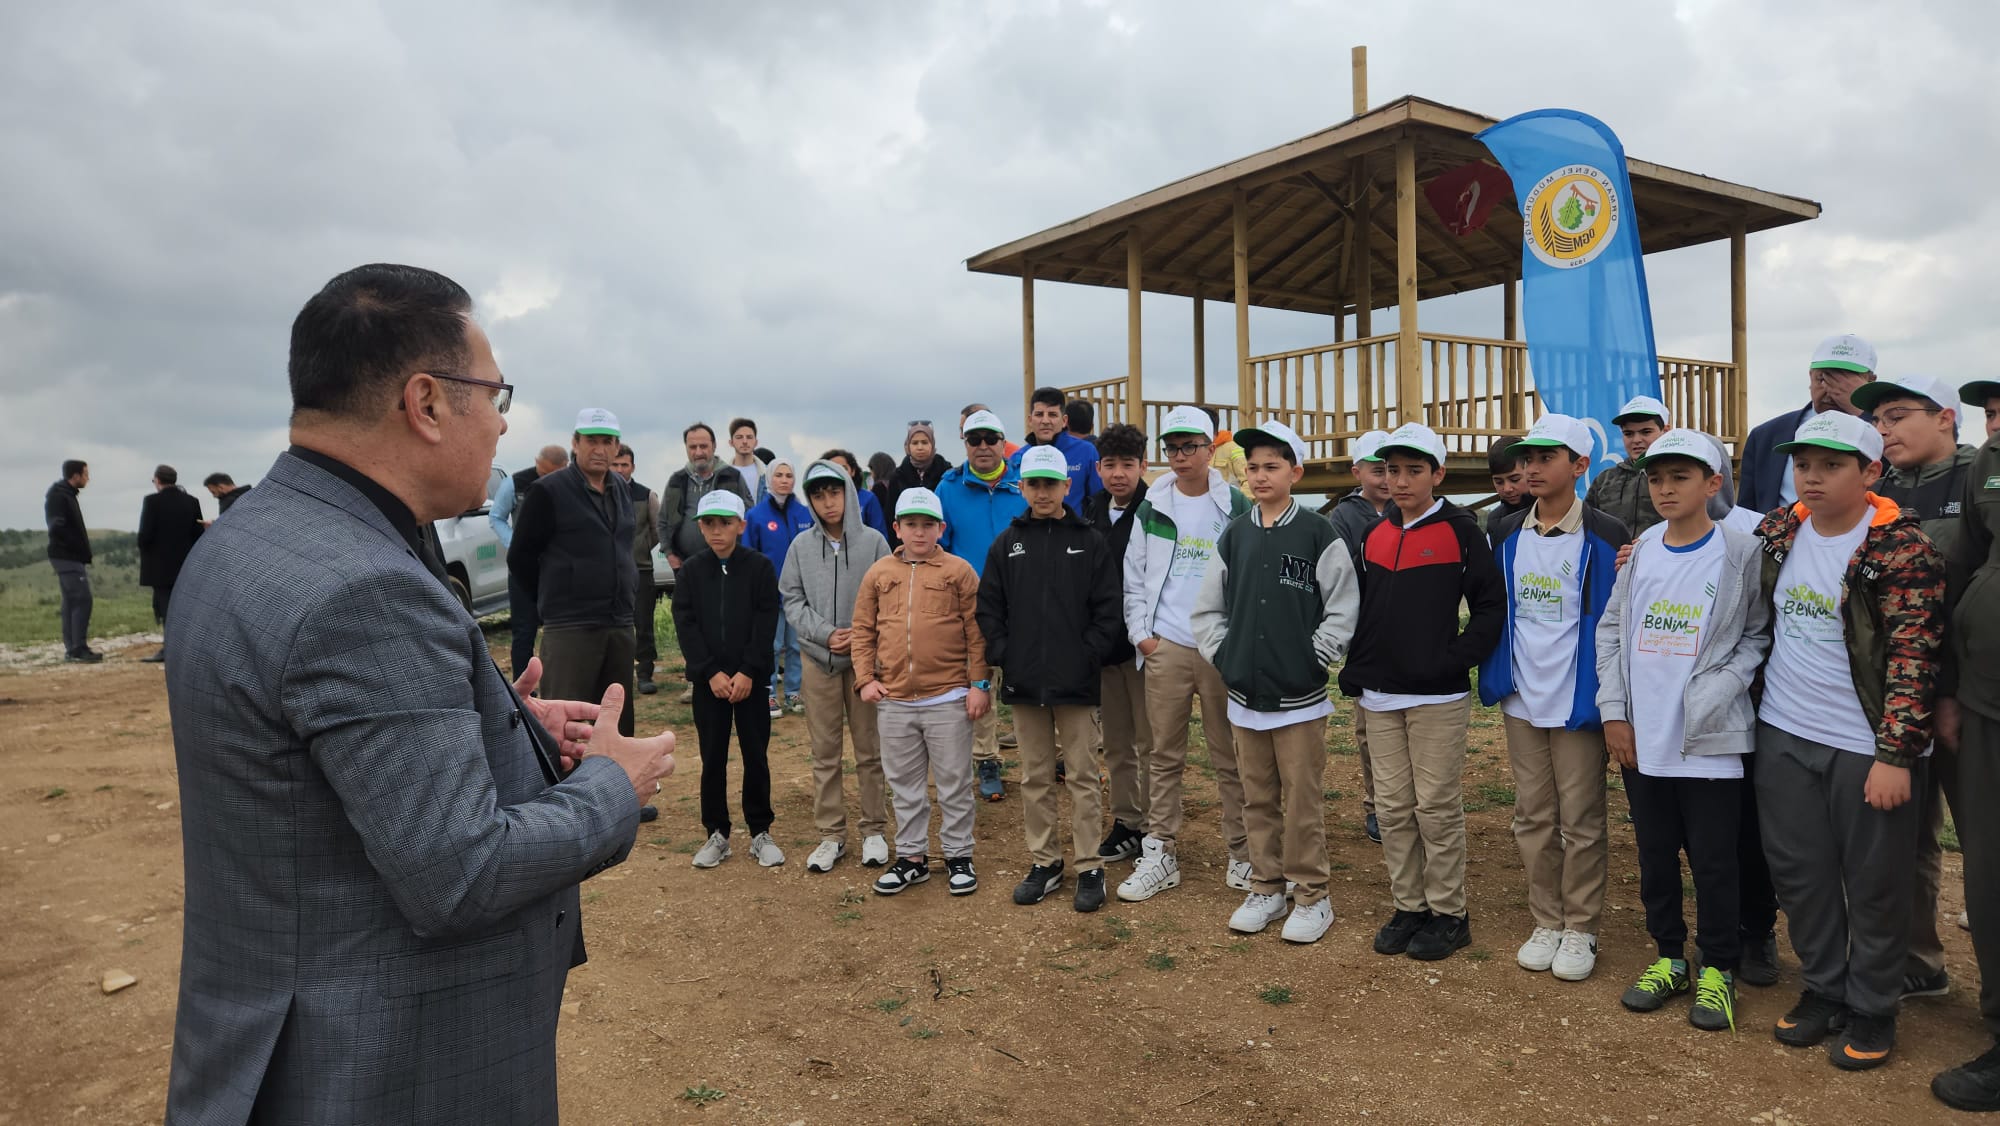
{"type": "Point", "coordinates": [1571, 216]}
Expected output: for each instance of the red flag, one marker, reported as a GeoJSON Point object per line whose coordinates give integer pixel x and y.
{"type": "Point", "coordinates": [1466, 195]}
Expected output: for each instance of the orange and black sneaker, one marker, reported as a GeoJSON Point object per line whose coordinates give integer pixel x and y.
{"type": "Point", "coordinates": [1866, 1042]}
{"type": "Point", "coordinates": [1810, 1021]}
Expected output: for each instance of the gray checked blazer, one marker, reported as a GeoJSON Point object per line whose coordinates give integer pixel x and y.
{"type": "Point", "coordinates": [381, 880]}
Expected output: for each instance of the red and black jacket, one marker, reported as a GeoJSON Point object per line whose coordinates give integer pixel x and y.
{"type": "Point", "coordinates": [1408, 639]}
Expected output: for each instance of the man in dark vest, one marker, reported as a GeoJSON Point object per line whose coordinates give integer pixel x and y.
{"type": "Point", "coordinates": [506, 507]}
{"type": "Point", "coordinates": [69, 554]}
{"type": "Point", "coordinates": [646, 517]}
{"type": "Point", "coordinates": [169, 522]}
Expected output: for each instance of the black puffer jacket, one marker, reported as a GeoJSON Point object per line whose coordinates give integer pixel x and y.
{"type": "Point", "coordinates": [68, 540]}
{"type": "Point", "coordinates": [1097, 513]}
{"type": "Point", "coordinates": [908, 476]}
{"type": "Point", "coordinates": [1048, 608]}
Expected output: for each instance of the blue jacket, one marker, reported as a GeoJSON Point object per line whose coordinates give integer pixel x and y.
{"type": "Point", "coordinates": [1764, 468]}
{"type": "Point", "coordinates": [1602, 537]}
{"type": "Point", "coordinates": [975, 513]}
{"type": "Point", "coordinates": [1082, 458]}
{"type": "Point", "coordinates": [871, 513]}
{"type": "Point", "coordinates": [769, 527]}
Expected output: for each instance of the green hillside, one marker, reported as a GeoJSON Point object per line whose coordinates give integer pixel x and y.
{"type": "Point", "coordinates": [29, 596]}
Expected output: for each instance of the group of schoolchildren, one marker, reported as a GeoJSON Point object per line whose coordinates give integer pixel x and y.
{"type": "Point", "coordinates": [1763, 681]}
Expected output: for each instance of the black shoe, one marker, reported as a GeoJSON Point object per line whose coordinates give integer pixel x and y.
{"type": "Point", "coordinates": [1040, 880]}
{"type": "Point", "coordinates": [1089, 890]}
{"type": "Point", "coordinates": [647, 687]}
{"type": "Point", "coordinates": [1973, 1085]}
{"type": "Point", "coordinates": [649, 813]}
{"type": "Point", "coordinates": [904, 873]}
{"type": "Point", "coordinates": [159, 658]}
{"type": "Point", "coordinates": [1374, 829]}
{"type": "Point", "coordinates": [960, 879]}
{"type": "Point", "coordinates": [1866, 1042]}
{"type": "Point", "coordinates": [1926, 985]}
{"type": "Point", "coordinates": [1442, 935]}
{"type": "Point", "coordinates": [1395, 935]}
{"type": "Point", "coordinates": [1810, 1021]}
{"type": "Point", "coordinates": [1122, 843]}
{"type": "Point", "coordinates": [1760, 962]}
{"type": "Point", "coordinates": [84, 657]}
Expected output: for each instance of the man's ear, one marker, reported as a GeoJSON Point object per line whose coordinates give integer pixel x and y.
{"type": "Point", "coordinates": [423, 404]}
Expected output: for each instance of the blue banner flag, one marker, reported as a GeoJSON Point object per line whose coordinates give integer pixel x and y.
{"type": "Point", "coordinates": [1588, 322]}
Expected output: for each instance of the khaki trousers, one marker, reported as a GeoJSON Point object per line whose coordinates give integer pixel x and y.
{"type": "Point", "coordinates": [1284, 779]}
{"type": "Point", "coordinates": [830, 699]}
{"type": "Point", "coordinates": [1367, 764]}
{"type": "Point", "coordinates": [1069, 731]}
{"type": "Point", "coordinates": [1420, 767]}
{"type": "Point", "coordinates": [1175, 676]}
{"type": "Point", "coordinates": [1128, 742]}
{"type": "Point", "coordinates": [1559, 822]}
{"type": "Point", "coordinates": [986, 729]}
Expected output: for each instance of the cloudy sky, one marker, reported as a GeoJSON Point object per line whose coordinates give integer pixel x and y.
{"type": "Point", "coordinates": [687, 211]}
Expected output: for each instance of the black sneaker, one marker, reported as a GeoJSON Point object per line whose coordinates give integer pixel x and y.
{"type": "Point", "coordinates": [1866, 1042]}
{"type": "Point", "coordinates": [85, 657]}
{"type": "Point", "coordinates": [1395, 935]}
{"type": "Point", "coordinates": [904, 873]}
{"type": "Point", "coordinates": [1089, 890]}
{"type": "Point", "coordinates": [1442, 935]}
{"type": "Point", "coordinates": [1665, 978]}
{"type": "Point", "coordinates": [1374, 829]}
{"type": "Point", "coordinates": [1040, 880]}
{"type": "Point", "coordinates": [647, 687]}
{"type": "Point", "coordinates": [1810, 1021]}
{"type": "Point", "coordinates": [1121, 843]}
{"type": "Point", "coordinates": [1760, 961]}
{"type": "Point", "coordinates": [1926, 985]}
{"type": "Point", "coordinates": [1973, 1085]}
{"type": "Point", "coordinates": [649, 813]}
{"type": "Point", "coordinates": [962, 879]}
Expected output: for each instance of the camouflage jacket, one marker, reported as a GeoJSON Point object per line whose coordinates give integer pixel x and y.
{"type": "Point", "coordinates": [1620, 492]}
{"type": "Point", "coordinates": [1892, 612]}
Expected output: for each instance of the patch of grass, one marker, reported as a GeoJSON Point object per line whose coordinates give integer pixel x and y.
{"type": "Point", "coordinates": [1331, 795]}
{"type": "Point", "coordinates": [104, 787]}
{"type": "Point", "coordinates": [890, 1004]}
{"type": "Point", "coordinates": [1479, 954]}
{"type": "Point", "coordinates": [701, 1094]}
{"type": "Point", "coordinates": [922, 1033]}
{"type": "Point", "coordinates": [593, 897]}
{"type": "Point", "coordinates": [1498, 793]}
{"type": "Point", "coordinates": [1065, 967]}
{"type": "Point", "coordinates": [688, 848]}
{"type": "Point", "coordinates": [846, 916]}
{"type": "Point", "coordinates": [661, 841]}
{"type": "Point", "coordinates": [1238, 947]}
{"type": "Point", "coordinates": [851, 897]}
{"type": "Point", "coordinates": [1162, 962]}
{"type": "Point", "coordinates": [1275, 995]}
{"type": "Point", "coordinates": [1948, 837]}
{"type": "Point", "coordinates": [1119, 928]}
{"type": "Point", "coordinates": [1615, 784]}
{"type": "Point", "coordinates": [1339, 866]}
{"type": "Point", "coordinates": [54, 792]}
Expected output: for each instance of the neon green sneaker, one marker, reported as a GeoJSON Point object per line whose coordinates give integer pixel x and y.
{"type": "Point", "coordinates": [1665, 978]}
{"type": "Point", "coordinates": [1714, 1001]}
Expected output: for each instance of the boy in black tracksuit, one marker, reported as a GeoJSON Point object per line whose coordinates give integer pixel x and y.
{"type": "Point", "coordinates": [1127, 731]}
{"type": "Point", "coordinates": [726, 609]}
{"type": "Point", "coordinates": [1050, 610]}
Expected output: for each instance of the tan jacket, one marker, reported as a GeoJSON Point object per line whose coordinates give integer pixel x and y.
{"type": "Point", "coordinates": [914, 629]}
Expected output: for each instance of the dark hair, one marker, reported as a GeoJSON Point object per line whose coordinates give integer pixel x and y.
{"type": "Point", "coordinates": [166, 475]}
{"type": "Point", "coordinates": [1081, 416]}
{"type": "Point", "coordinates": [366, 331]}
{"type": "Point", "coordinates": [822, 484]}
{"type": "Point", "coordinates": [764, 455]}
{"type": "Point", "coordinates": [853, 463]}
{"type": "Point", "coordinates": [699, 426]}
{"type": "Point", "coordinates": [1047, 397]}
{"type": "Point", "coordinates": [72, 467]}
{"type": "Point", "coordinates": [1122, 440]}
{"type": "Point", "coordinates": [626, 451]}
{"type": "Point", "coordinates": [1259, 440]}
{"type": "Point", "coordinates": [1502, 457]}
{"type": "Point", "coordinates": [881, 466]}
{"type": "Point", "coordinates": [214, 479]}
{"type": "Point", "coordinates": [736, 424]}
{"type": "Point", "coordinates": [966, 411]}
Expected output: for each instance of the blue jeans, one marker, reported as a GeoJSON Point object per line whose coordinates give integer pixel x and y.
{"type": "Point", "coordinates": [787, 653]}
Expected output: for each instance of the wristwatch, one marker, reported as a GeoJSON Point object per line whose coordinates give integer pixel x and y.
{"type": "Point", "coordinates": [983, 685]}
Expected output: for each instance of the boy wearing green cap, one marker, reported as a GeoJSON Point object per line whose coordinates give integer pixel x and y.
{"type": "Point", "coordinates": [1621, 490]}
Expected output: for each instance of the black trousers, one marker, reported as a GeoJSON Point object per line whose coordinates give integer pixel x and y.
{"type": "Point", "coordinates": [73, 579]}
{"type": "Point", "coordinates": [713, 717]}
{"type": "Point", "coordinates": [1697, 816]}
{"type": "Point", "coordinates": [1979, 837]}
{"type": "Point", "coordinates": [524, 617]}
{"type": "Point", "coordinates": [1757, 901]}
{"type": "Point", "coordinates": [161, 596]}
{"type": "Point", "coordinates": [645, 606]}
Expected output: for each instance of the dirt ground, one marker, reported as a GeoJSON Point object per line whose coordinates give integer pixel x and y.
{"type": "Point", "coordinates": [777, 996]}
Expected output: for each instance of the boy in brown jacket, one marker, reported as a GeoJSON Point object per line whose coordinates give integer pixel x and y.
{"type": "Point", "coordinates": [920, 658]}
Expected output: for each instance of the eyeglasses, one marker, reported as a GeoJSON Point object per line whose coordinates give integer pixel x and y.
{"type": "Point", "coordinates": [1895, 415]}
{"type": "Point", "coordinates": [1185, 449]}
{"type": "Point", "coordinates": [501, 401]}
{"type": "Point", "coordinates": [983, 438]}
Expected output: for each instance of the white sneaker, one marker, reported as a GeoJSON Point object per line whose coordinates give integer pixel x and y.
{"type": "Point", "coordinates": [1156, 871]}
{"type": "Point", "coordinates": [1575, 957]}
{"type": "Point", "coordinates": [874, 851]}
{"type": "Point", "coordinates": [766, 851]}
{"type": "Point", "coordinates": [1238, 875]}
{"type": "Point", "coordinates": [1258, 912]}
{"type": "Point", "coordinates": [714, 852]}
{"type": "Point", "coordinates": [1307, 924]}
{"type": "Point", "coordinates": [822, 858]}
{"type": "Point", "coordinates": [1540, 950]}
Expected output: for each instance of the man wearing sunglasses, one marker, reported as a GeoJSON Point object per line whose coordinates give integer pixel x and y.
{"type": "Point", "coordinates": [980, 498]}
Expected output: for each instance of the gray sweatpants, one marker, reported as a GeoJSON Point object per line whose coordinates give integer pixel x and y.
{"type": "Point", "coordinates": [73, 579]}
{"type": "Point", "coordinates": [1842, 868]}
{"type": "Point", "coordinates": [919, 745]}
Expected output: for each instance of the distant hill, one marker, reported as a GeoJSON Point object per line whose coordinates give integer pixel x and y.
{"type": "Point", "coordinates": [22, 546]}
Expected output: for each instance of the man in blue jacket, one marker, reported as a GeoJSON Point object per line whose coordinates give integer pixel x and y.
{"type": "Point", "coordinates": [1047, 422]}
{"type": "Point", "coordinates": [1839, 365]}
{"type": "Point", "coordinates": [981, 497]}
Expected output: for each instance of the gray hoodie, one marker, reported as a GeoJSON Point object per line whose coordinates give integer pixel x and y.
{"type": "Point", "coordinates": [820, 579]}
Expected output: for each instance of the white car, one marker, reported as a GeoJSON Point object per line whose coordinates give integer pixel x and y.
{"type": "Point", "coordinates": [473, 557]}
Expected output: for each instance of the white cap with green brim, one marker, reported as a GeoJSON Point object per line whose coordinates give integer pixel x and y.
{"type": "Point", "coordinates": [1836, 430]}
{"type": "Point", "coordinates": [1367, 447]}
{"type": "Point", "coordinates": [1415, 438]}
{"type": "Point", "coordinates": [825, 471]}
{"type": "Point", "coordinates": [1044, 462]}
{"type": "Point", "coordinates": [1561, 430]}
{"type": "Point", "coordinates": [596, 420]}
{"type": "Point", "coordinates": [719, 502]}
{"type": "Point", "coordinates": [982, 420]}
{"type": "Point", "coordinates": [1642, 406]}
{"type": "Point", "coordinates": [1683, 442]}
{"type": "Point", "coordinates": [919, 502]}
{"type": "Point", "coordinates": [1846, 352]}
{"type": "Point", "coordinates": [1870, 395]}
{"type": "Point", "coordinates": [1187, 420]}
{"type": "Point", "coordinates": [1269, 432]}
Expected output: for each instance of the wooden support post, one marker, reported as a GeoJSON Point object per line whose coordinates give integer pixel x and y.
{"type": "Point", "coordinates": [1739, 328]}
{"type": "Point", "coordinates": [1135, 401]}
{"type": "Point", "coordinates": [1027, 337]}
{"type": "Point", "coordinates": [1409, 378]}
{"type": "Point", "coordinates": [1360, 57]}
{"type": "Point", "coordinates": [1200, 346]}
{"type": "Point", "coordinates": [1513, 405]}
{"type": "Point", "coordinates": [1510, 311]}
{"type": "Point", "coordinates": [1364, 295]}
{"type": "Point", "coordinates": [1242, 261]}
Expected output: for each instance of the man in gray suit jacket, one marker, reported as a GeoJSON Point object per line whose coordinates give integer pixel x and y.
{"type": "Point", "coordinates": [383, 837]}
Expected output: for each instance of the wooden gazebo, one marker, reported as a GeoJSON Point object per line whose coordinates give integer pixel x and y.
{"type": "Point", "coordinates": [1334, 223]}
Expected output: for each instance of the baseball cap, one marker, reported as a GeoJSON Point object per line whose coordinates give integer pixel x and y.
{"type": "Point", "coordinates": [1366, 446]}
{"type": "Point", "coordinates": [1044, 462]}
{"type": "Point", "coordinates": [1979, 392]}
{"type": "Point", "coordinates": [1642, 406]}
{"type": "Point", "coordinates": [1846, 352]}
{"type": "Point", "coordinates": [1560, 430]}
{"type": "Point", "coordinates": [1190, 420]}
{"type": "Point", "coordinates": [1416, 438]}
{"type": "Point", "coordinates": [825, 471]}
{"type": "Point", "coordinates": [919, 502]}
{"type": "Point", "coordinates": [719, 502]}
{"type": "Point", "coordinates": [1272, 431]}
{"type": "Point", "coordinates": [1929, 387]}
{"type": "Point", "coordinates": [982, 420]}
{"type": "Point", "coordinates": [596, 420]}
{"type": "Point", "coordinates": [1836, 430]}
{"type": "Point", "coordinates": [1683, 442]}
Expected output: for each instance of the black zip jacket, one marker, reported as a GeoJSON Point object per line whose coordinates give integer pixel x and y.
{"type": "Point", "coordinates": [908, 476]}
{"type": "Point", "coordinates": [578, 562]}
{"type": "Point", "coordinates": [1049, 609]}
{"type": "Point", "coordinates": [67, 538]}
{"type": "Point", "coordinates": [1097, 513]}
{"type": "Point", "coordinates": [1352, 517]}
{"type": "Point", "coordinates": [726, 615]}
{"type": "Point", "coordinates": [1408, 639]}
